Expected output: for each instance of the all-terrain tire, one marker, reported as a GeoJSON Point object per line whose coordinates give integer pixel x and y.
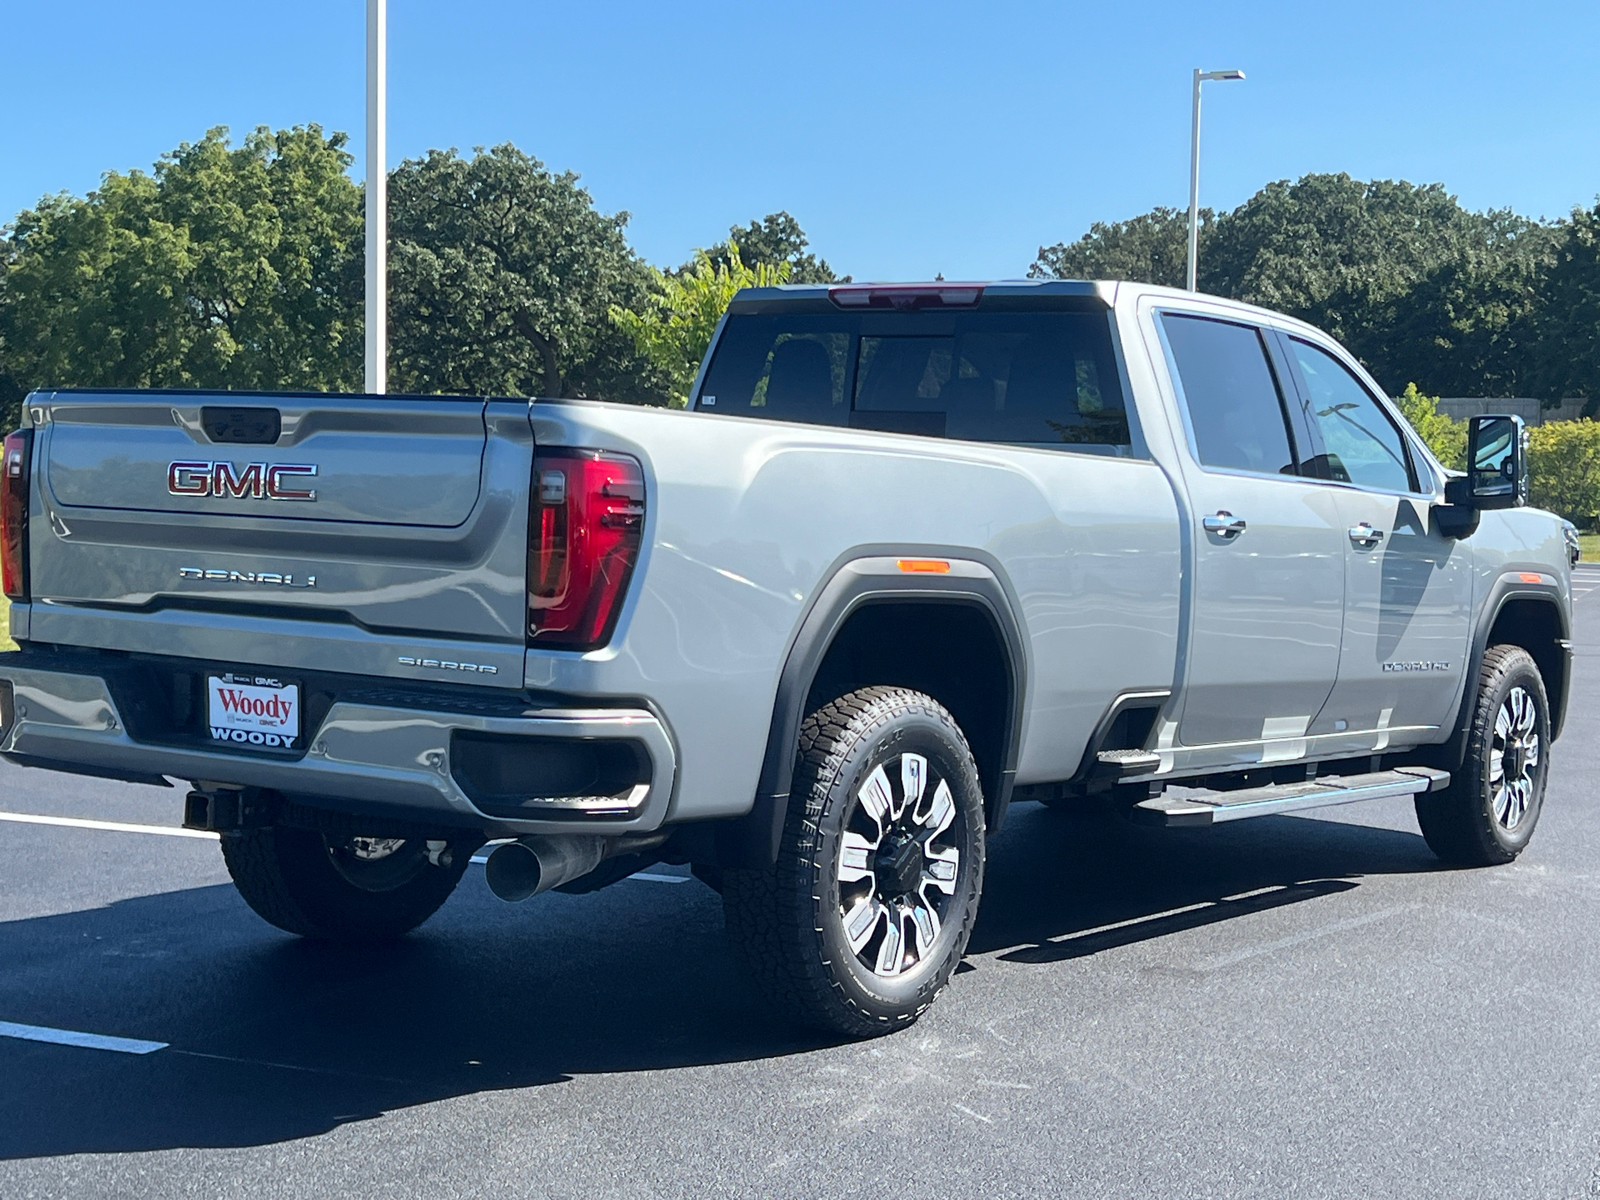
{"type": "Point", "coordinates": [1488, 813]}
{"type": "Point", "coordinates": [314, 885]}
{"type": "Point", "coordinates": [856, 777]}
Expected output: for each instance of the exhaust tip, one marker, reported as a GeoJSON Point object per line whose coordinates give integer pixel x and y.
{"type": "Point", "coordinates": [513, 872]}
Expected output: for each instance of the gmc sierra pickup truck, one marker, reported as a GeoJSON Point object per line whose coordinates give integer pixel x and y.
{"type": "Point", "coordinates": [913, 553]}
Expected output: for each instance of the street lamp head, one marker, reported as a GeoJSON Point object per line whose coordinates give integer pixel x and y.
{"type": "Point", "coordinates": [1221, 74]}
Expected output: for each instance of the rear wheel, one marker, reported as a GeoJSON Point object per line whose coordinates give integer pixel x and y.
{"type": "Point", "coordinates": [868, 911]}
{"type": "Point", "coordinates": [1487, 814]}
{"type": "Point", "coordinates": [341, 888]}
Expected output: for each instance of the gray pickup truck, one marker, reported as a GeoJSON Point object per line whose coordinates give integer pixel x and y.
{"type": "Point", "coordinates": [913, 554]}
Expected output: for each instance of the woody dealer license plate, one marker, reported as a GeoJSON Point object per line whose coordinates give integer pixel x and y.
{"type": "Point", "coordinates": [250, 710]}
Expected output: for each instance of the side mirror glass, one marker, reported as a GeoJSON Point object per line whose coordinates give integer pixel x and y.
{"type": "Point", "coordinates": [1497, 462]}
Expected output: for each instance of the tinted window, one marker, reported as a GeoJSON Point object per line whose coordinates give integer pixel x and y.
{"type": "Point", "coordinates": [1039, 377]}
{"type": "Point", "coordinates": [1232, 396]}
{"type": "Point", "coordinates": [786, 368]}
{"type": "Point", "coordinates": [1362, 445]}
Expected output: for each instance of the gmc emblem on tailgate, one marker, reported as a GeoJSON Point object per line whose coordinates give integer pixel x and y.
{"type": "Point", "coordinates": [253, 481]}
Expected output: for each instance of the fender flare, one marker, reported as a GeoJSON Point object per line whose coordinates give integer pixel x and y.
{"type": "Point", "coordinates": [1508, 587]}
{"type": "Point", "coordinates": [863, 576]}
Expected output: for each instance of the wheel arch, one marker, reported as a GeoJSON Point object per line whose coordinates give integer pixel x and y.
{"type": "Point", "coordinates": [1518, 613]}
{"type": "Point", "coordinates": [857, 632]}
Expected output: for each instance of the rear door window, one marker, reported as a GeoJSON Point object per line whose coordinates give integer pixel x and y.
{"type": "Point", "coordinates": [1041, 378]}
{"type": "Point", "coordinates": [1231, 395]}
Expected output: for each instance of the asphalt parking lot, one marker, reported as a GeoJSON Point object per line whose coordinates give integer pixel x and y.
{"type": "Point", "coordinates": [1302, 1006]}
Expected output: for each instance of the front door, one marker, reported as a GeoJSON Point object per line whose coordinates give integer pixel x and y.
{"type": "Point", "coordinates": [1408, 590]}
{"type": "Point", "coordinates": [1269, 563]}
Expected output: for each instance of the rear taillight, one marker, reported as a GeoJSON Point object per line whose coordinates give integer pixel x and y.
{"type": "Point", "coordinates": [585, 521]}
{"type": "Point", "coordinates": [14, 513]}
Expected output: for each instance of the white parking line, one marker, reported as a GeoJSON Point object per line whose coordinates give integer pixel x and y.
{"type": "Point", "coordinates": [70, 1037]}
{"type": "Point", "coordinates": [110, 826]}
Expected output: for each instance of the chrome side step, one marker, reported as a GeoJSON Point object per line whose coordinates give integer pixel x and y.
{"type": "Point", "coordinates": [1211, 808]}
{"type": "Point", "coordinates": [1120, 764]}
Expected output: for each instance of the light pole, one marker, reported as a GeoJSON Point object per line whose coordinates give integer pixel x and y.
{"type": "Point", "coordinates": [377, 348]}
{"type": "Point", "coordinates": [1194, 166]}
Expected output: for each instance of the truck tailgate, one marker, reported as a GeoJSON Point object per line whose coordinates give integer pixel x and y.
{"type": "Point", "coordinates": [366, 532]}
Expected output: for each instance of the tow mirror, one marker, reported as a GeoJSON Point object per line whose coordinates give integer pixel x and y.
{"type": "Point", "coordinates": [1497, 461]}
{"type": "Point", "coordinates": [1497, 465]}
{"type": "Point", "coordinates": [1497, 474]}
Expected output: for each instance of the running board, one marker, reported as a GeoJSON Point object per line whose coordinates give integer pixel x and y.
{"type": "Point", "coordinates": [1211, 808]}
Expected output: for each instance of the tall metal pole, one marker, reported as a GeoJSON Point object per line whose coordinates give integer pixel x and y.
{"type": "Point", "coordinates": [377, 349]}
{"type": "Point", "coordinates": [1194, 183]}
{"type": "Point", "coordinates": [1194, 166]}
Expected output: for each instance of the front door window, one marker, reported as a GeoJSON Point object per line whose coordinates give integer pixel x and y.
{"type": "Point", "coordinates": [1360, 442]}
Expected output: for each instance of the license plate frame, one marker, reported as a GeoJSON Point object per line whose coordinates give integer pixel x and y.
{"type": "Point", "coordinates": [251, 710]}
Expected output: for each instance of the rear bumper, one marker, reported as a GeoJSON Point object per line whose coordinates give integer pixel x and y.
{"type": "Point", "coordinates": [365, 755]}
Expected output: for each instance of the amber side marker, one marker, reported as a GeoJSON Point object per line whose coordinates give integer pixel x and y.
{"type": "Point", "coordinates": [932, 566]}
{"type": "Point", "coordinates": [1530, 577]}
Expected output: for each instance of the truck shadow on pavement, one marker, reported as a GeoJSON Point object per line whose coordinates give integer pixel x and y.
{"type": "Point", "coordinates": [273, 1039]}
{"type": "Point", "coordinates": [1062, 886]}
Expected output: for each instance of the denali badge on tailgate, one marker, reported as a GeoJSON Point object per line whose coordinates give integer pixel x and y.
{"type": "Point", "coordinates": [253, 481]}
{"type": "Point", "coordinates": [268, 578]}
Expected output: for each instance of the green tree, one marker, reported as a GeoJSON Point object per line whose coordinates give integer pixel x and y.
{"type": "Point", "coordinates": [1568, 320]}
{"type": "Point", "coordinates": [1417, 286]}
{"type": "Point", "coordinates": [1440, 432]}
{"type": "Point", "coordinates": [1150, 248]}
{"type": "Point", "coordinates": [1564, 469]}
{"type": "Point", "coordinates": [502, 276]}
{"type": "Point", "coordinates": [223, 268]}
{"type": "Point", "coordinates": [675, 329]}
{"type": "Point", "coordinates": [1401, 274]}
{"type": "Point", "coordinates": [775, 240]}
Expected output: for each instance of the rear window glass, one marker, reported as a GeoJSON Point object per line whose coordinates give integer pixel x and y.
{"type": "Point", "coordinates": [1038, 378]}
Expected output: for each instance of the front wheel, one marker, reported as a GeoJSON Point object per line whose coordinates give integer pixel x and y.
{"type": "Point", "coordinates": [1487, 814]}
{"type": "Point", "coordinates": [346, 889]}
{"type": "Point", "coordinates": [868, 911]}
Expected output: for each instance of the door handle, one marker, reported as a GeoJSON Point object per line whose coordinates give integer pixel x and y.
{"type": "Point", "coordinates": [1224, 524]}
{"type": "Point", "coordinates": [1364, 536]}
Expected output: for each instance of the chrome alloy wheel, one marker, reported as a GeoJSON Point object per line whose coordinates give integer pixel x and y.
{"type": "Point", "coordinates": [371, 849]}
{"type": "Point", "coordinates": [898, 864]}
{"type": "Point", "coordinates": [376, 864]}
{"type": "Point", "coordinates": [1514, 757]}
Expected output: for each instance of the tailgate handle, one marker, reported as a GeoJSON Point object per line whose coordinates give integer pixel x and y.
{"type": "Point", "coordinates": [247, 426]}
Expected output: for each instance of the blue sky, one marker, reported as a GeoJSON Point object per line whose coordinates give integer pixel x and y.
{"type": "Point", "coordinates": [908, 138]}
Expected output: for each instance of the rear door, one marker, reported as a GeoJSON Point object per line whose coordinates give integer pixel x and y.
{"type": "Point", "coordinates": [1268, 591]}
{"type": "Point", "coordinates": [1408, 589]}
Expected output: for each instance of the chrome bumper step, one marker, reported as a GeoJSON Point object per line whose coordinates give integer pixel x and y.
{"type": "Point", "coordinates": [1197, 808]}
{"type": "Point", "coordinates": [1120, 764]}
